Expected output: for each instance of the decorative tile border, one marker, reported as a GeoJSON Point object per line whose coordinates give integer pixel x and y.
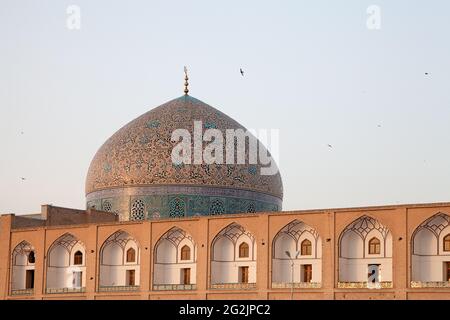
{"type": "Point", "coordinates": [298, 285]}
{"type": "Point", "coordinates": [64, 290]}
{"type": "Point", "coordinates": [138, 203]}
{"type": "Point", "coordinates": [365, 285]}
{"type": "Point", "coordinates": [430, 284]}
{"type": "Point", "coordinates": [243, 286]}
{"type": "Point", "coordinates": [174, 287]}
{"type": "Point", "coordinates": [20, 292]}
{"type": "Point", "coordinates": [118, 288]}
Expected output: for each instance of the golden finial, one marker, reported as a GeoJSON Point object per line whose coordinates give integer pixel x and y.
{"type": "Point", "coordinates": [186, 83]}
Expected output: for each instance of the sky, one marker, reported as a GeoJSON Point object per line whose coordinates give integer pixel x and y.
{"type": "Point", "coordinates": [313, 69]}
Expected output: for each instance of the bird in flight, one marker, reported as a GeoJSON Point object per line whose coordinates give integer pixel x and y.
{"type": "Point", "coordinates": [330, 146]}
{"type": "Point", "coordinates": [242, 71]}
{"type": "Point", "coordinates": [379, 126]}
{"type": "Point", "coordinates": [22, 178]}
{"type": "Point", "coordinates": [426, 73]}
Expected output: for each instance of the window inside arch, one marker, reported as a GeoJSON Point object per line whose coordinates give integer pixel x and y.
{"type": "Point", "coordinates": [306, 248]}
{"type": "Point", "coordinates": [243, 250]}
{"type": "Point", "coordinates": [131, 255]}
{"type": "Point", "coordinates": [185, 253]}
{"type": "Point", "coordinates": [31, 257]}
{"type": "Point", "coordinates": [78, 258]}
{"type": "Point", "coordinates": [374, 246]}
{"type": "Point", "coordinates": [447, 242]}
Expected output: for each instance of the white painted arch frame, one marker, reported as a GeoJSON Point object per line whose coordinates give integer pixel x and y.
{"type": "Point", "coordinates": [353, 247]}
{"type": "Point", "coordinates": [225, 260]}
{"type": "Point", "coordinates": [289, 238]}
{"type": "Point", "coordinates": [428, 259]}
{"type": "Point", "coordinates": [20, 264]}
{"type": "Point", "coordinates": [113, 264]}
{"type": "Point", "coordinates": [168, 266]}
{"type": "Point", "coordinates": [61, 262]}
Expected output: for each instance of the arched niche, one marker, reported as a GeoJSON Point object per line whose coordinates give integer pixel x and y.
{"type": "Point", "coordinates": [64, 272]}
{"type": "Point", "coordinates": [303, 266]}
{"type": "Point", "coordinates": [175, 261]}
{"type": "Point", "coordinates": [116, 273]}
{"type": "Point", "coordinates": [357, 262]}
{"type": "Point", "coordinates": [227, 267]}
{"type": "Point", "coordinates": [23, 267]}
{"type": "Point", "coordinates": [430, 259]}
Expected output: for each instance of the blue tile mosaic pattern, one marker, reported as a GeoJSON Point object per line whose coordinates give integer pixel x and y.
{"type": "Point", "coordinates": [181, 205]}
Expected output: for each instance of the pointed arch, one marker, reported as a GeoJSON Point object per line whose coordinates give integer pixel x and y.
{"type": "Point", "coordinates": [21, 252]}
{"type": "Point", "coordinates": [66, 268]}
{"type": "Point", "coordinates": [62, 251]}
{"type": "Point", "coordinates": [23, 259]}
{"type": "Point", "coordinates": [434, 226]}
{"type": "Point", "coordinates": [175, 256]}
{"type": "Point", "coordinates": [429, 257]}
{"type": "Point", "coordinates": [168, 247]}
{"type": "Point", "coordinates": [298, 231]}
{"type": "Point", "coordinates": [227, 266]}
{"type": "Point", "coordinates": [305, 248]}
{"type": "Point", "coordinates": [365, 245]}
{"type": "Point", "coordinates": [364, 227]}
{"type": "Point", "coordinates": [115, 270]}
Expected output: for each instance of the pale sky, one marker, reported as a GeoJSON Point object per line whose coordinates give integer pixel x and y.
{"type": "Point", "coordinates": [313, 69]}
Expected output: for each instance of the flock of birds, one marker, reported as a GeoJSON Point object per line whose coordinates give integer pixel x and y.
{"type": "Point", "coordinates": [242, 74]}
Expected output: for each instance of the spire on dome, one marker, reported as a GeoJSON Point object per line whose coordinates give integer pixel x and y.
{"type": "Point", "coordinates": [186, 83]}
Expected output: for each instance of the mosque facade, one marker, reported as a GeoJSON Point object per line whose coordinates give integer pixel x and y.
{"type": "Point", "coordinates": [155, 229]}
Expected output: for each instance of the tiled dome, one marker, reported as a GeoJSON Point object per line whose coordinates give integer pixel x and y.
{"type": "Point", "coordinates": [139, 155]}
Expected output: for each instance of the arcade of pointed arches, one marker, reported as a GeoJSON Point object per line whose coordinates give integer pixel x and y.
{"type": "Point", "coordinates": [364, 245]}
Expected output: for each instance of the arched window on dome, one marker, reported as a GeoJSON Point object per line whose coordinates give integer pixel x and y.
{"type": "Point", "coordinates": [78, 258]}
{"type": "Point", "coordinates": [137, 210]}
{"type": "Point", "coordinates": [185, 253]}
{"type": "Point", "coordinates": [374, 246]}
{"type": "Point", "coordinates": [306, 248]}
{"type": "Point", "coordinates": [447, 242]}
{"type": "Point", "coordinates": [217, 207]}
{"type": "Point", "coordinates": [243, 250]}
{"type": "Point", "coordinates": [251, 208]}
{"type": "Point", "coordinates": [177, 208]}
{"type": "Point", "coordinates": [107, 206]}
{"type": "Point", "coordinates": [131, 255]}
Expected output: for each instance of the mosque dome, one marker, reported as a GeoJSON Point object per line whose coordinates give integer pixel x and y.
{"type": "Point", "coordinates": [133, 174]}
